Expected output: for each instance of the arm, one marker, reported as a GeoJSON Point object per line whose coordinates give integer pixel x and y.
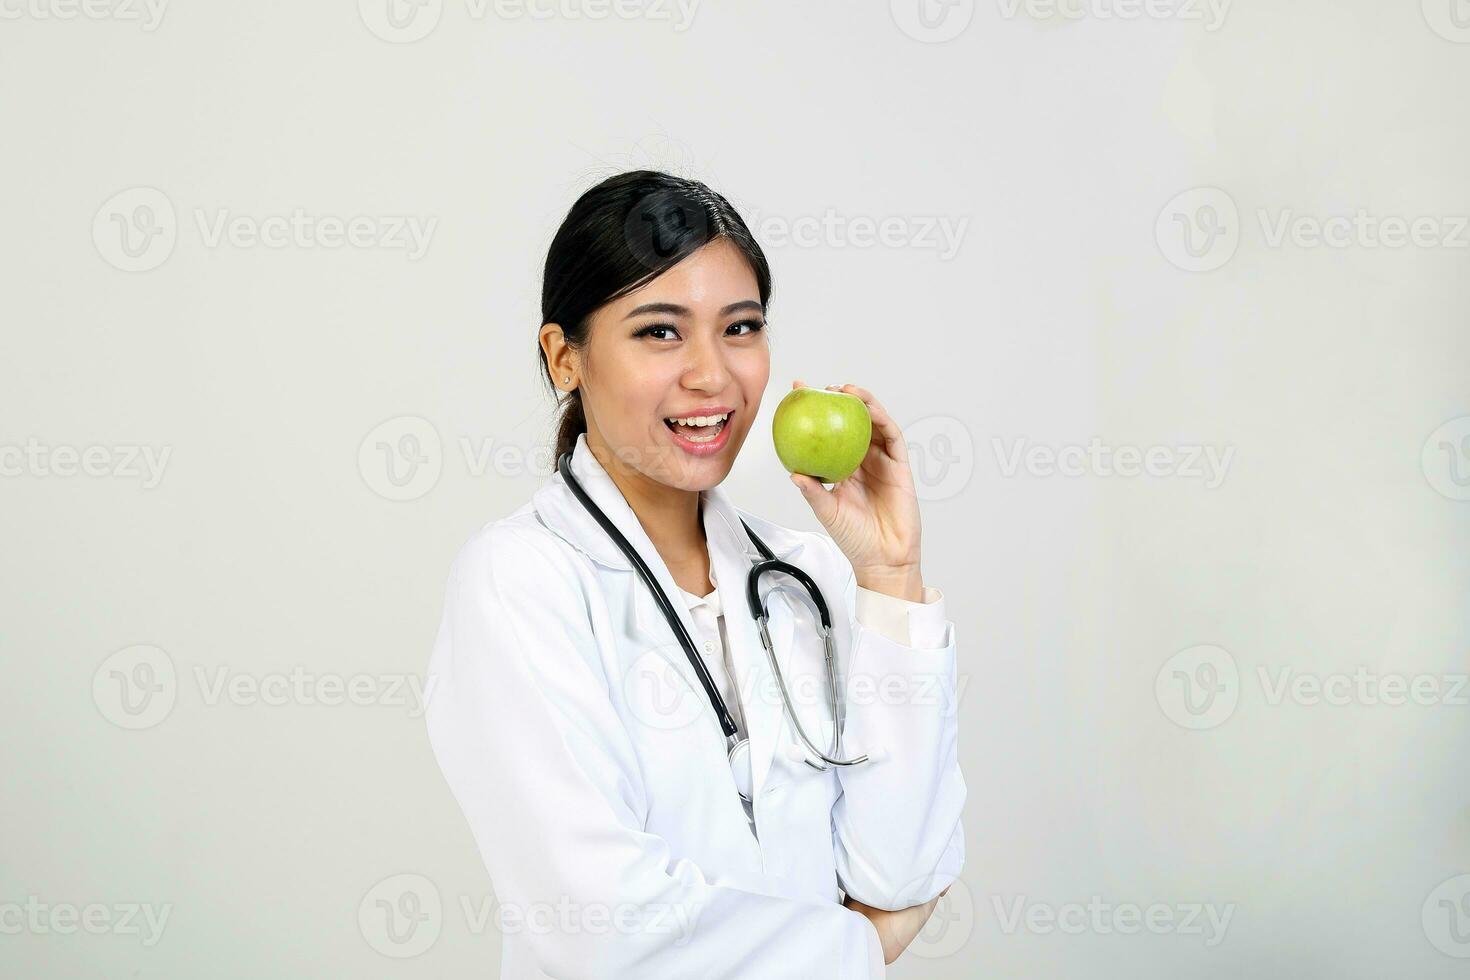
{"type": "Point", "coordinates": [896, 929]}
{"type": "Point", "coordinates": [547, 775]}
{"type": "Point", "coordinates": [896, 827]}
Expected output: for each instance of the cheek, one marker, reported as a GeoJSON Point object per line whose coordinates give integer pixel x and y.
{"type": "Point", "coordinates": [754, 373]}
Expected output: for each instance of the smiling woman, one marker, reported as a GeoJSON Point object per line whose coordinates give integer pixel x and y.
{"type": "Point", "coordinates": [607, 758]}
{"type": "Point", "coordinates": [655, 297]}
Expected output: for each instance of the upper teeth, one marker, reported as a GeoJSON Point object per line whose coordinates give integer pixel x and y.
{"type": "Point", "coordinates": [702, 419]}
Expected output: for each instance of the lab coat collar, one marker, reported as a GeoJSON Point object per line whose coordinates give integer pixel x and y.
{"type": "Point", "coordinates": [563, 513]}
{"type": "Point", "coordinates": [731, 554]}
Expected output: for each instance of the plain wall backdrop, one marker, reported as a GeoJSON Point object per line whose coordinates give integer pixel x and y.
{"type": "Point", "coordinates": [1171, 299]}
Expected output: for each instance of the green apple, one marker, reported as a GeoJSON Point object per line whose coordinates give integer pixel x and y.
{"type": "Point", "coordinates": [822, 433]}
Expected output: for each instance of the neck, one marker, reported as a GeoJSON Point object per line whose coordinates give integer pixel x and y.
{"type": "Point", "coordinates": [670, 517]}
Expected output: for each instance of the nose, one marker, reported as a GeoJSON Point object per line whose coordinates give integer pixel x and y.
{"type": "Point", "coordinates": [706, 369]}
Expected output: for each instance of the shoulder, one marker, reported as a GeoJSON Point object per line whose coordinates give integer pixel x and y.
{"type": "Point", "coordinates": [514, 553]}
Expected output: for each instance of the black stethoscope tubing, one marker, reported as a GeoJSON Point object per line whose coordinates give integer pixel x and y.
{"type": "Point", "coordinates": [770, 563]}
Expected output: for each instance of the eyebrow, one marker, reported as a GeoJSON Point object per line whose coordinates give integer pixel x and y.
{"type": "Point", "coordinates": [676, 310]}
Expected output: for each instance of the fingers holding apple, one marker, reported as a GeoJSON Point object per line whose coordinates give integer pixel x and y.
{"type": "Point", "coordinates": [886, 433]}
{"type": "Point", "coordinates": [843, 435]}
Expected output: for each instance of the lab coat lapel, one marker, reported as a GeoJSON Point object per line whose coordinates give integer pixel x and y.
{"type": "Point", "coordinates": [731, 555]}
{"type": "Point", "coordinates": [564, 514]}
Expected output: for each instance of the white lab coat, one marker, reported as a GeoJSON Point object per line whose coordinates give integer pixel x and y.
{"type": "Point", "coordinates": [580, 745]}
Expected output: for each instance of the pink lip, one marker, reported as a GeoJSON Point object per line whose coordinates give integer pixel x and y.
{"type": "Point", "coordinates": [695, 412]}
{"type": "Point", "coordinates": [702, 448]}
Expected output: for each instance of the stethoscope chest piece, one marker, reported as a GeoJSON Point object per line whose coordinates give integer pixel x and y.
{"type": "Point", "coordinates": [740, 767]}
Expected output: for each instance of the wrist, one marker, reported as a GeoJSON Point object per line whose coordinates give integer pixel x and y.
{"type": "Point", "coordinates": [880, 920]}
{"type": "Point", "coordinates": [899, 581]}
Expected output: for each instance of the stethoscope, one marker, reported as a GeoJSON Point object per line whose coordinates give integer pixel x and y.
{"type": "Point", "coordinates": [739, 748]}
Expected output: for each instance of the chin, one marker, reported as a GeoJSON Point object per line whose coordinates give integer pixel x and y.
{"type": "Point", "coordinates": [696, 474]}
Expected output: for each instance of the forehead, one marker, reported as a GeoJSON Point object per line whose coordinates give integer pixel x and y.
{"type": "Point", "coordinates": [711, 277]}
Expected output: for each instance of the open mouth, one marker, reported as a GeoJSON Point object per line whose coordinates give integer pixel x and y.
{"type": "Point", "coordinates": [699, 430]}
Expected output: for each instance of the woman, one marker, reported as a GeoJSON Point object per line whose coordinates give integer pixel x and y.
{"type": "Point", "coordinates": [571, 723]}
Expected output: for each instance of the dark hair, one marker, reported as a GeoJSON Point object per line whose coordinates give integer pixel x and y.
{"type": "Point", "coordinates": [622, 233]}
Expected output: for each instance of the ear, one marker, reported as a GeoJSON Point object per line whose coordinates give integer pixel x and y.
{"type": "Point", "coordinates": [561, 360]}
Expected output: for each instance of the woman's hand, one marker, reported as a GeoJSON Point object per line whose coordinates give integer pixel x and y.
{"type": "Point", "coordinates": [873, 515]}
{"type": "Point", "coordinates": [896, 929]}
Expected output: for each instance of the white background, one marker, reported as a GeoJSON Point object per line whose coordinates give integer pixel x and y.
{"type": "Point", "coordinates": [1060, 140]}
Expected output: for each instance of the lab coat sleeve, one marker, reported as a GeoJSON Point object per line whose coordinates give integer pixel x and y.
{"type": "Point", "coordinates": [544, 770]}
{"type": "Point", "coordinates": [918, 624]}
{"type": "Point", "coordinates": [897, 833]}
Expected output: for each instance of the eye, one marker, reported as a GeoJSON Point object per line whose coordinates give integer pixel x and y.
{"type": "Point", "coordinates": [755, 326]}
{"type": "Point", "coordinates": [648, 331]}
